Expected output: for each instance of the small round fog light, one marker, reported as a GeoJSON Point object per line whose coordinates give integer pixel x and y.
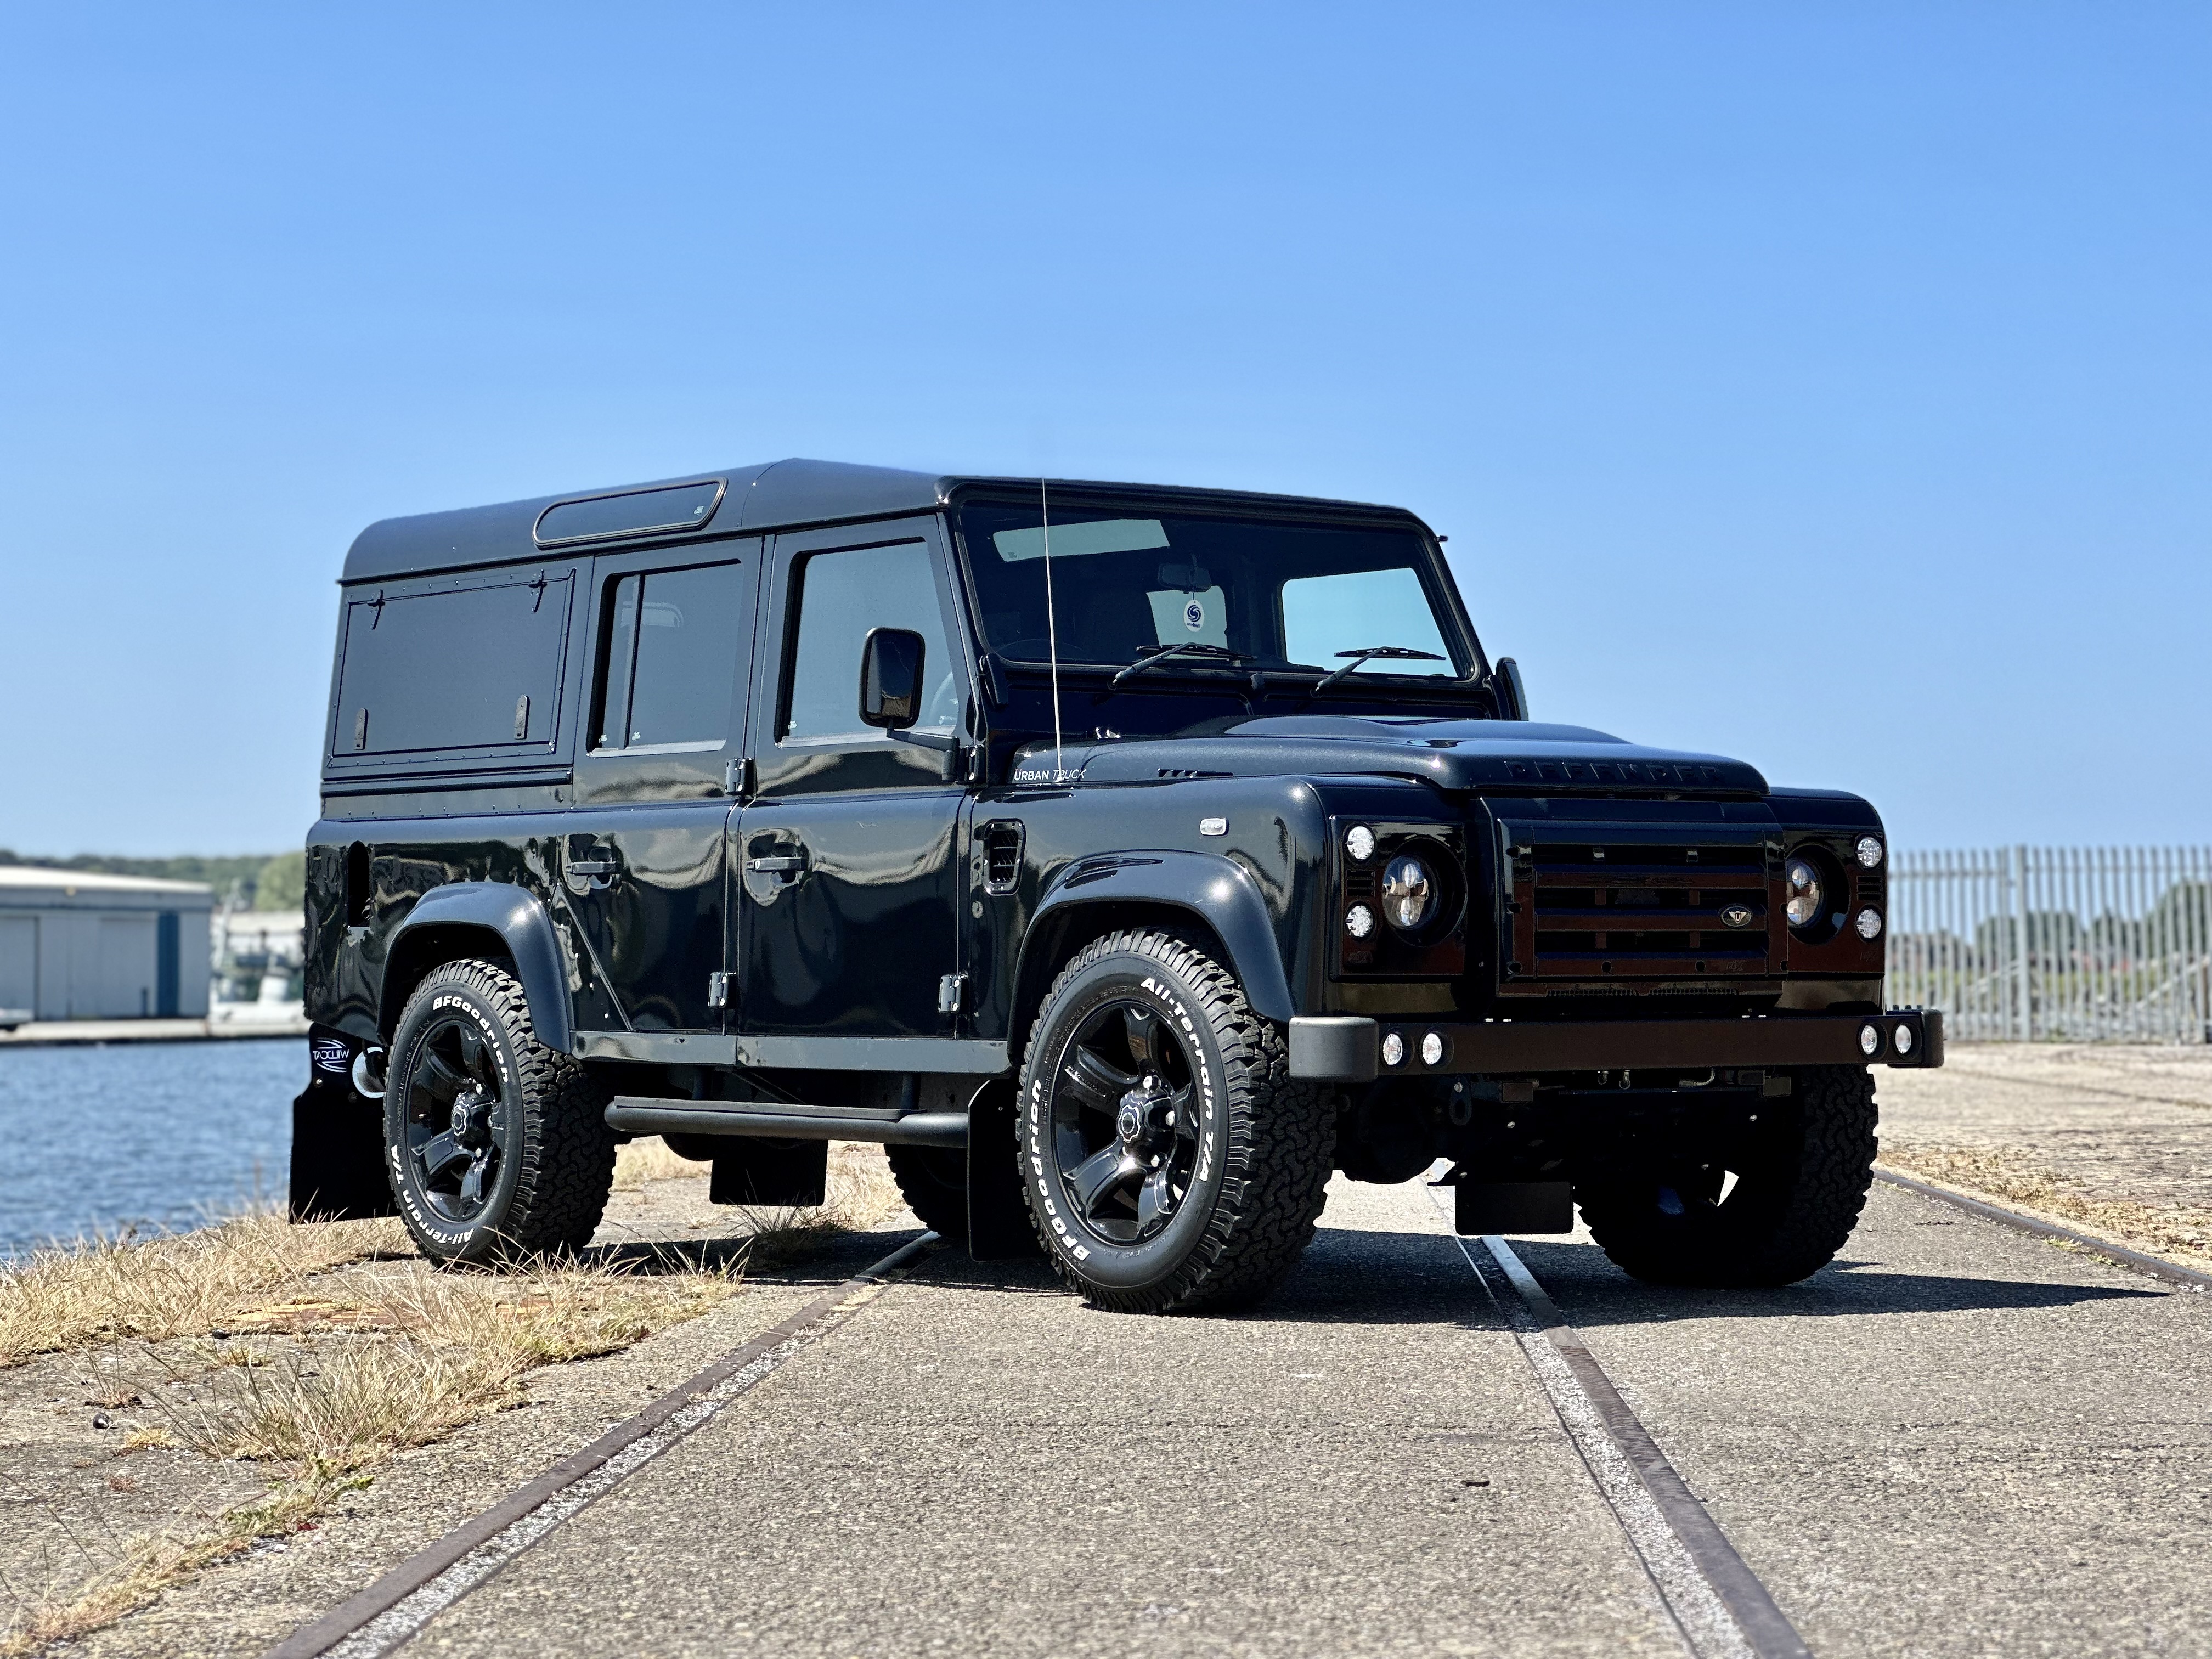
{"type": "Point", "coordinates": [1393, 1049]}
{"type": "Point", "coordinates": [1869, 922]}
{"type": "Point", "coordinates": [1903, 1039]}
{"type": "Point", "coordinates": [1869, 851]}
{"type": "Point", "coordinates": [1432, 1049]}
{"type": "Point", "coordinates": [1360, 842]}
{"type": "Point", "coordinates": [1360, 922]}
{"type": "Point", "coordinates": [1869, 1040]}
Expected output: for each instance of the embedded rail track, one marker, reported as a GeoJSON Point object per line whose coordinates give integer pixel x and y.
{"type": "Point", "coordinates": [1716, 1606]}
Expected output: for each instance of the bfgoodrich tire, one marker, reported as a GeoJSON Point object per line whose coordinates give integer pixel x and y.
{"type": "Point", "coordinates": [495, 1144]}
{"type": "Point", "coordinates": [1795, 1201]}
{"type": "Point", "coordinates": [1168, 1161]}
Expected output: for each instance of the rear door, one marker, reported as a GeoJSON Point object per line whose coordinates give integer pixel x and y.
{"type": "Point", "coordinates": [641, 858]}
{"type": "Point", "coordinates": [848, 854]}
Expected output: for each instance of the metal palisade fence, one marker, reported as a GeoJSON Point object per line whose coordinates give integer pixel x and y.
{"type": "Point", "coordinates": [2072, 944]}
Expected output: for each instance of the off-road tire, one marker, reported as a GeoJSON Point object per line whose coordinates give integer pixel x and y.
{"type": "Point", "coordinates": [558, 1155]}
{"type": "Point", "coordinates": [1792, 1209]}
{"type": "Point", "coordinates": [1249, 1217]}
{"type": "Point", "coordinates": [933, 1181]}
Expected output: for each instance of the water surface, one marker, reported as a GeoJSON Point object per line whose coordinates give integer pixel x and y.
{"type": "Point", "coordinates": [96, 1137]}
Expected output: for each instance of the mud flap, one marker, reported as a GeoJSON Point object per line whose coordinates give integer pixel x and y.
{"type": "Point", "coordinates": [1513, 1206]}
{"type": "Point", "coordinates": [999, 1226]}
{"type": "Point", "coordinates": [780, 1173]}
{"type": "Point", "coordinates": [337, 1142]}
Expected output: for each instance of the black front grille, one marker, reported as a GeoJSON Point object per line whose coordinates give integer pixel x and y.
{"type": "Point", "coordinates": [1604, 910]}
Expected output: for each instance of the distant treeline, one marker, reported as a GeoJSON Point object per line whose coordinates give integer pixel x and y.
{"type": "Point", "coordinates": [261, 881]}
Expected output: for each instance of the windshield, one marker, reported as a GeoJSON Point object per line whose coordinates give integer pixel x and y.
{"type": "Point", "coordinates": [1281, 596]}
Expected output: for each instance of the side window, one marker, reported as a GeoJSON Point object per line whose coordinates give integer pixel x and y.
{"type": "Point", "coordinates": [840, 596]}
{"type": "Point", "coordinates": [471, 667]}
{"type": "Point", "coordinates": [670, 653]}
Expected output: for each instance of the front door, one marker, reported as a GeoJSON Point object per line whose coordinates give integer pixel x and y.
{"type": "Point", "coordinates": [641, 858]}
{"type": "Point", "coordinates": [848, 855]}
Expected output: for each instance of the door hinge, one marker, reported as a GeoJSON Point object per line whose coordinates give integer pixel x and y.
{"type": "Point", "coordinates": [951, 992]}
{"type": "Point", "coordinates": [718, 989]}
{"type": "Point", "coordinates": [737, 777]}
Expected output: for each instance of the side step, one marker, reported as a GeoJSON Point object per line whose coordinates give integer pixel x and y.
{"type": "Point", "coordinates": [645, 1114]}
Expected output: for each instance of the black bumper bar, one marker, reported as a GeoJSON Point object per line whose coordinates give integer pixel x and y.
{"type": "Point", "coordinates": [1354, 1050]}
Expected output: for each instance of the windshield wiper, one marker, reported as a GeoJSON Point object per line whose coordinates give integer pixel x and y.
{"type": "Point", "coordinates": [1149, 655]}
{"type": "Point", "coordinates": [1393, 653]}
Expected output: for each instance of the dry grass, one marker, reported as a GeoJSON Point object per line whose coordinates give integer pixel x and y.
{"type": "Point", "coordinates": [639, 1161]}
{"type": "Point", "coordinates": [105, 1289]}
{"type": "Point", "coordinates": [431, 1354]}
{"type": "Point", "coordinates": [323, 1382]}
{"type": "Point", "coordinates": [2183, 1234]}
{"type": "Point", "coordinates": [412, 1359]}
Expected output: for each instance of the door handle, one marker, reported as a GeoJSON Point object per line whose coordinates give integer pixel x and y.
{"type": "Point", "coordinates": [776, 866]}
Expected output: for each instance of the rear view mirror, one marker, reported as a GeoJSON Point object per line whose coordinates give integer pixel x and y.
{"type": "Point", "coordinates": [1511, 692]}
{"type": "Point", "coordinates": [891, 678]}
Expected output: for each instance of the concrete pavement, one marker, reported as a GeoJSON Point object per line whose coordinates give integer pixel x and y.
{"type": "Point", "coordinates": [1958, 1441]}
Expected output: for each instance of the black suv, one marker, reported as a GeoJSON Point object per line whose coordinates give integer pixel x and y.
{"type": "Point", "coordinates": [1124, 858]}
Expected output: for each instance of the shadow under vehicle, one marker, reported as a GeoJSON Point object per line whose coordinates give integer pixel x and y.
{"type": "Point", "coordinates": [1124, 858]}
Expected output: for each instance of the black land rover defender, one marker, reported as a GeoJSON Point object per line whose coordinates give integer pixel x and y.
{"type": "Point", "coordinates": [1124, 858]}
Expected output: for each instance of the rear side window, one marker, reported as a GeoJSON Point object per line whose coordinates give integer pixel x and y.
{"type": "Point", "coordinates": [672, 645]}
{"type": "Point", "coordinates": [841, 596]}
{"type": "Point", "coordinates": [475, 667]}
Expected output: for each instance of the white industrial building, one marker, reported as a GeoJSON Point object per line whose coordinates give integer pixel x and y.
{"type": "Point", "coordinates": [75, 945]}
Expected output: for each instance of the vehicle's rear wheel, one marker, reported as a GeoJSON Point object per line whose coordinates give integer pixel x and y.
{"type": "Point", "coordinates": [1803, 1180]}
{"type": "Point", "coordinates": [495, 1144]}
{"type": "Point", "coordinates": [1168, 1161]}
{"type": "Point", "coordinates": [933, 1180]}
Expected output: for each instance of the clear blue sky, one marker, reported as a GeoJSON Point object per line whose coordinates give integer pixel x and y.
{"type": "Point", "coordinates": [1829, 385]}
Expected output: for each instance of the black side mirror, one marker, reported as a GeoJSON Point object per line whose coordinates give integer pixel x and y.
{"type": "Point", "coordinates": [891, 678]}
{"type": "Point", "coordinates": [1511, 692]}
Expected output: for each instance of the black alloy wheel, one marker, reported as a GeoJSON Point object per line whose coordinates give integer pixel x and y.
{"type": "Point", "coordinates": [496, 1147]}
{"type": "Point", "coordinates": [1169, 1160]}
{"type": "Point", "coordinates": [459, 1127]}
{"type": "Point", "coordinates": [1125, 1122]}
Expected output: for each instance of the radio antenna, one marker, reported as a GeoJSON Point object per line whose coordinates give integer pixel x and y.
{"type": "Point", "coordinates": [1051, 634]}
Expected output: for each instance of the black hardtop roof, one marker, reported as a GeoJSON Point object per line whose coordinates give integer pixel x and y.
{"type": "Point", "coordinates": [778, 495]}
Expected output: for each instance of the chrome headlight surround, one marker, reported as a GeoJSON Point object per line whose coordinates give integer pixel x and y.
{"type": "Point", "coordinates": [1411, 893]}
{"type": "Point", "coordinates": [1814, 893]}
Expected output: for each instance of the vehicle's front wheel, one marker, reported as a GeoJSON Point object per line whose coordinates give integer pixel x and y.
{"type": "Point", "coordinates": [1802, 1181]}
{"type": "Point", "coordinates": [495, 1144]}
{"type": "Point", "coordinates": [1168, 1161]}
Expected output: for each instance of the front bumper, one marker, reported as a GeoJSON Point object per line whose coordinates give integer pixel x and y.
{"type": "Point", "coordinates": [1353, 1050]}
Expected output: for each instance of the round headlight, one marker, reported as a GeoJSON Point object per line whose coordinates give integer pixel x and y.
{"type": "Point", "coordinates": [1393, 1049]}
{"type": "Point", "coordinates": [1360, 842]}
{"type": "Point", "coordinates": [1804, 906]}
{"type": "Point", "coordinates": [1360, 922]}
{"type": "Point", "coordinates": [1409, 893]}
{"type": "Point", "coordinates": [1869, 851]}
{"type": "Point", "coordinates": [1869, 923]}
